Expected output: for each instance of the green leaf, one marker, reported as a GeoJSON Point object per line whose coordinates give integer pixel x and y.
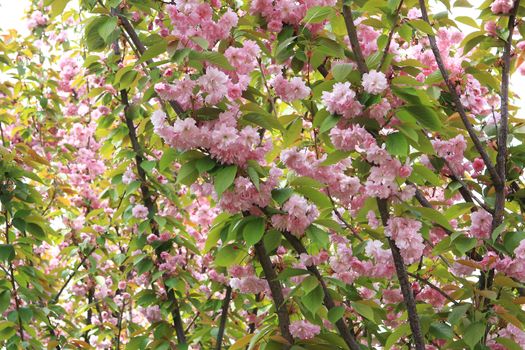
{"type": "Point", "coordinates": [313, 300]}
{"type": "Point", "coordinates": [317, 235]}
{"type": "Point", "coordinates": [336, 313]}
{"type": "Point", "coordinates": [318, 14]}
{"type": "Point", "coordinates": [94, 41]}
{"type": "Point", "coordinates": [187, 174]}
{"type": "Point", "coordinates": [227, 256]}
{"type": "Point", "coordinates": [463, 243]}
{"type": "Point", "coordinates": [341, 71]}
{"type": "Point", "coordinates": [281, 195]}
{"type": "Point", "coordinates": [7, 252]}
{"type": "Point", "coordinates": [364, 309]}
{"type": "Point", "coordinates": [58, 6]}
{"type": "Point", "coordinates": [148, 165]}
{"type": "Point", "coordinates": [508, 343]}
{"type": "Point", "coordinates": [329, 122]}
{"type": "Point", "coordinates": [5, 300]}
{"type": "Point", "coordinates": [473, 334]}
{"type": "Point", "coordinates": [272, 240]}
{"type": "Point", "coordinates": [267, 121]}
{"type": "Point", "coordinates": [426, 116]}
{"type": "Point", "coordinates": [223, 178]}
{"type": "Point", "coordinates": [402, 331]}
{"type": "Point", "coordinates": [153, 51]}
{"type": "Point", "coordinates": [434, 216]}
{"type": "Point", "coordinates": [168, 157]}
{"type": "Point", "coordinates": [253, 230]}
{"type": "Point", "coordinates": [422, 26]}
{"type": "Point", "coordinates": [107, 27]}
{"type": "Point", "coordinates": [35, 230]}
{"type": "Point", "coordinates": [291, 272]}
{"type": "Point", "coordinates": [441, 330]}
{"type": "Point", "coordinates": [254, 176]}
{"type": "Point", "coordinates": [213, 57]}
{"type": "Point", "coordinates": [457, 313]}
{"type": "Point", "coordinates": [397, 144]}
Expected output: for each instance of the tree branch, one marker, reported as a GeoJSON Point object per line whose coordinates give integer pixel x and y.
{"type": "Point", "coordinates": [354, 41]}
{"type": "Point", "coordinates": [457, 102]}
{"type": "Point", "coordinates": [341, 325]}
{"type": "Point", "coordinates": [224, 317]}
{"type": "Point", "coordinates": [503, 130]}
{"type": "Point", "coordinates": [277, 292]}
{"type": "Point", "coordinates": [402, 276]}
{"type": "Point", "coordinates": [390, 36]}
{"type": "Point", "coordinates": [149, 203]}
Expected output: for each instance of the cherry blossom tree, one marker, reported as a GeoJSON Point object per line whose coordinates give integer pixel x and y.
{"type": "Point", "coordinates": [262, 174]}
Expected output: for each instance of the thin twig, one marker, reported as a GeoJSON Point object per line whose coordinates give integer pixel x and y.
{"type": "Point", "coordinates": [457, 101]}
{"type": "Point", "coordinates": [341, 325]}
{"type": "Point", "coordinates": [224, 317]}
{"type": "Point", "coordinates": [390, 36]}
{"type": "Point", "coordinates": [434, 287]}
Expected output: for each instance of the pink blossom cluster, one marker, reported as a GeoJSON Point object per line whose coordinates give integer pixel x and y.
{"type": "Point", "coordinates": [37, 19]}
{"type": "Point", "coordinates": [290, 90]}
{"type": "Point", "coordinates": [514, 268]}
{"type": "Point", "coordinates": [245, 281]}
{"type": "Point", "coordinates": [140, 212]}
{"type": "Point", "coordinates": [194, 19]}
{"type": "Point", "coordinates": [299, 215]}
{"type": "Point", "coordinates": [221, 137]}
{"type": "Point", "coordinates": [502, 6]}
{"type": "Point", "coordinates": [172, 262]}
{"type": "Point", "coordinates": [374, 82]}
{"type": "Point", "coordinates": [367, 37]}
{"type": "Point", "coordinates": [405, 233]}
{"type": "Point", "coordinates": [340, 185]}
{"type": "Point", "coordinates": [452, 151]}
{"type": "Point", "coordinates": [245, 196]}
{"type": "Point", "coordinates": [342, 100]}
{"type": "Point", "coordinates": [69, 69]}
{"type": "Point", "coordinates": [278, 13]}
{"type": "Point", "coordinates": [481, 224]}
{"type": "Point", "coordinates": [510, 332]}
{"type": "Point", "coordinates": [304, 330]}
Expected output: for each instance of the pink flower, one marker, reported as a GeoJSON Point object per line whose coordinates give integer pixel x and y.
{"type": "Point", "coordinates": [140, 212]}
{"type": "Point", "coordinates": [299, 216]}
{"type": "Point", "coordinates": [374, 82]}
{"type": "Point", "coordinates": [502, 6]}
{"type": "Point", "coordinates": [342, 101]}
{"type": "Point", "coordinates": [304, 330]}
{"type": "Point", "coordinates": [289, 91]}
{"type": "Point", "coordinates": [215, 84]}
{"type": "Point", "coordinates": [478, 164]}
{"type": "Point", "coordinates": [414, 13]}
{"type": "Point", "coordinates": [481, 224]}
{"type": "Point", "coordinates": [405, 233]}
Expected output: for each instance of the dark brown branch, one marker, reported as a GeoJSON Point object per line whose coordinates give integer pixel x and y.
{"type": "Point", "coordinates": [457, 102]}
{"type": "Point", "coordinates": [390, 36]}
{"type": "Point", "coordinates": [149, 203]}
{"type": "Point", "coordinates": [341, 325]}
{"type": "Point", "coordinates": [503, 129]}
{"type": "Point", "coordinates": [354, 41]}
{"type": "Point", "coordinates": [128, 28]}
{"type": "Point", "coordinates": [224, 317]}
{"type": "Point", "coordinates": [402, 276]}
{"type": "Point", "coordinates": [277, 292]}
